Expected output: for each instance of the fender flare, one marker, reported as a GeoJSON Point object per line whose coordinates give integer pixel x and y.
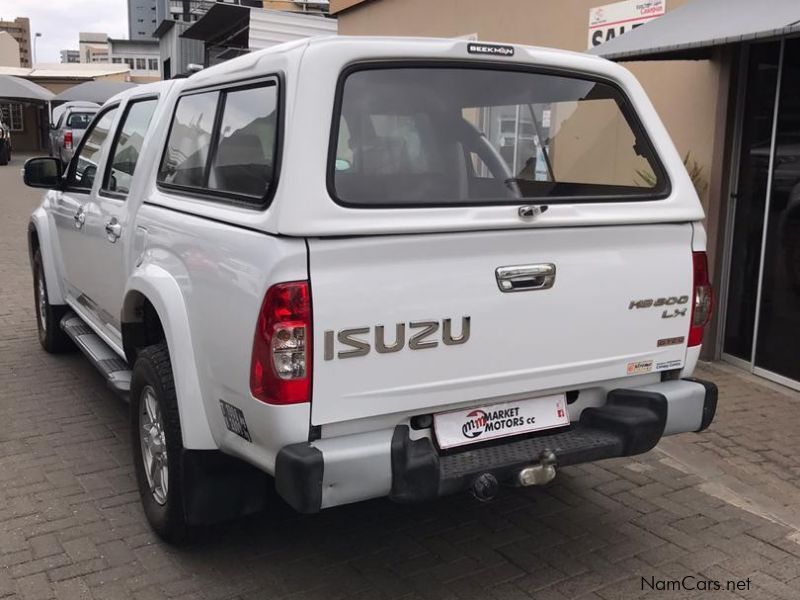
{"type": "Point", "coordinates": [161, 289]}
{"type": "Point", "coordinates": [40, 226]}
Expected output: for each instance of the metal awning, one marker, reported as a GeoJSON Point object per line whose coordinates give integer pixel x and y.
{"type": "Point", "coordinates": [17, 88]}
{"type": "Point", "coordinates": [219, 22]}
{"type": "Point", "coordinates": [691, 30]}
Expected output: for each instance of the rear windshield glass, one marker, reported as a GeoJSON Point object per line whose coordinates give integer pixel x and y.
{"type": "Point", "coordinates": [79, 120]}
{"type": "Point", "coordinates": [434, 136]}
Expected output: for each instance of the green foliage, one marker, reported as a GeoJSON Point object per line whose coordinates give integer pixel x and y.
{"type": "Point", "coordinates": [695, 170]}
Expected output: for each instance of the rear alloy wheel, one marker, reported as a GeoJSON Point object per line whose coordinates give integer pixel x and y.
{"type": "Point", "coordinates": [158, 443]}
{"type": "Point", "coordinates": [48, 316]}
{"type": "Point", "coordinates": [154, 446]}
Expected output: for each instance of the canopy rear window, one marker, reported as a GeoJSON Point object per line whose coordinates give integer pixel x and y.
{"type": "Point", "coordinates": [450, 136]}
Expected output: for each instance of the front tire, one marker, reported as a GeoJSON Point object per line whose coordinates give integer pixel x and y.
{"type": "Point", "coordinates": [48, 316]}
{"type": "Point", "coordinates": [158, 443]}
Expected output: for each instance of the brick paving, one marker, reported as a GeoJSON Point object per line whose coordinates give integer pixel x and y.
{"type": "Point", "coordinates": [720, 506]}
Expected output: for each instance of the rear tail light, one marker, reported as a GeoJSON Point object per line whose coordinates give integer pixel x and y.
{"type": "Point", "coordinates": [703, 301]}
{"type": "Point", "coordinates": [280, 369]}
{"type": "Point", "coordinates": [68, 140]}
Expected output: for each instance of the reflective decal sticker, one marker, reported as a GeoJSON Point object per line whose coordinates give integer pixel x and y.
{"type": "Point", "coordinates": [669, 364]}
{"type": "Point", "coordinates": [640, 367]}
{"type": "Point", "coordinates": [673, 341]}
{"type": "Point", "coordinates": [234, 420]}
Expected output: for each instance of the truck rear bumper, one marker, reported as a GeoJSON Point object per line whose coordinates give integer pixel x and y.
{"type": "Point", "coordinates": [330, 472]}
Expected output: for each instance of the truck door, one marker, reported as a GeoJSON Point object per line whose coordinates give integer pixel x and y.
{"type": "Point", "coordinates": [107, 230]}
{"type": "Point", "coordinates": [70, 206]}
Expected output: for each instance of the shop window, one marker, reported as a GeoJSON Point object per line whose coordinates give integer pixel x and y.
{"type": "Point", "coordinates": [12, 114]}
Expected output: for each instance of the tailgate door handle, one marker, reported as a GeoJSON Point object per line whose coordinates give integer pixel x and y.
{"type": "Point", "coordinates": [523, 278]}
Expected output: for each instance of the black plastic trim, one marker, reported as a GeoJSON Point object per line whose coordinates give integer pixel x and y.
{"type": "Point", "coordinates": [710, 402]}
{"type": "Point", "coordinates": [298, 477]}
{"type": "Point", "coordinates": [415, 468]}
{"type": "Point", "coordinates": [625, 107]}
{"type": "Point", "coordinates": [631, 422]}
{"type": "Point", "coordinates": [639, 417]}
{"type": "Point", "coordinates": [220, 487]}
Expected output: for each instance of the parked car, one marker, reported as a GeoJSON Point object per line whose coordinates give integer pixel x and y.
{"type": "Point", "coordinates": [5, 143]}
{"type": "Point", "coordinates": [291, 267]}
{"type": "Point", "coordinates": [71, 122]}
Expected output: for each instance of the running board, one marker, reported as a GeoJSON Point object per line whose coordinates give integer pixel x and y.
{"type": "Point", "coordinates": [110, 365]}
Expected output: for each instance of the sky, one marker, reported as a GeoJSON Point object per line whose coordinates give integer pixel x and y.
{"type": "Point", "coordinates": [59, 22]}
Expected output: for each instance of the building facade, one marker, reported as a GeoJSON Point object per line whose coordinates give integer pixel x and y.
{"type": "Point", "coordinates": [20, 30]}
{"type": "Point", "coordinates": [142, 19]}
{"type": "Point", "coordinates": [93, 47]}
{"type": "Point", "coordinates": [177, 52]}
{"type": "Point", "coordinates": [9, 50]}
{"type": "Point", "coordinates": [70, 56]}
{"type": "Point", "coordinates": [228, 30]}
{"type": "Point", "coordinates": [142, 57]}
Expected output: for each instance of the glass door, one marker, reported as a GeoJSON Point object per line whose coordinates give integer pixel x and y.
{"type": "Point", "coordinates": [750, 198]}
{"type": "Point", "coordinates": [777, 347]}
{"type": "Point", "coordinates": [762, 307]}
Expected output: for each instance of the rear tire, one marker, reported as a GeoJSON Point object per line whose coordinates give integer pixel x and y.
{"type": "Point", "coordinates": [157, 443]}
{"type": "Point", "coordinates": [48, 316]}
{"type": "Point", "coordinates": [5, 155]}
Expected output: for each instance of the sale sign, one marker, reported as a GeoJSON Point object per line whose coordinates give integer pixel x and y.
{"type": "Point", "coordinates": [610, 20]}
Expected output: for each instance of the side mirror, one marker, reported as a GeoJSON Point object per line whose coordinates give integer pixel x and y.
{"type": "Point", "coordinates": [87, 176]}
{"type": "Point", "coordinates": [42, 172]}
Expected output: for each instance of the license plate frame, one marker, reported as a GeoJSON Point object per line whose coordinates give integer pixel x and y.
{"type": "Point", "coordinates": [476, 424]}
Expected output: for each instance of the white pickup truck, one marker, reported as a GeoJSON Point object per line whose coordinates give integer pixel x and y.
{"type": "Point", "coordinates": [316, 268]}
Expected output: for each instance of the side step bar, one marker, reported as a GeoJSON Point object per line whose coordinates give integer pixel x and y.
{"type": "Point", "coordinates": [112, 367]}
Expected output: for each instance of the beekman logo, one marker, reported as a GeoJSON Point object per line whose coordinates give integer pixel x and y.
{"type": "Point", "coordinates": [494, 49]}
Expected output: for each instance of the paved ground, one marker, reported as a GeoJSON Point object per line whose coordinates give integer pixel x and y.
{"type": "Point", "coordinates": [721, 506]}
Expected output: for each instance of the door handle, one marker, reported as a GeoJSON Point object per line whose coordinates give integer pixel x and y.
{"type": "Point", "coordinates": [79, 217]}
{"type": "Point", "coordinates": [522, 278]}
{"type": "Point", "coordinates": [113, 230]}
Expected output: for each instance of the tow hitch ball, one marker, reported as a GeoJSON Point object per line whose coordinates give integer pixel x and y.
{"type": "Point", "coordinates": [485, 486]}
{"type": "Point", "coordinates": [541, 473]}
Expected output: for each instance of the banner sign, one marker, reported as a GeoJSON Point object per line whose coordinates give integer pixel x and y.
{"type": "Point", "coordinates": [610, 20]}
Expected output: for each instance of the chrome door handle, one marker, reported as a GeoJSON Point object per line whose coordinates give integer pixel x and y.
{"type": "Point", "coordinates": [113, 230]}
{"type": "Point", "coordinates": [522, 278]}
{"type": "Point", "coordinates": [79, 217]}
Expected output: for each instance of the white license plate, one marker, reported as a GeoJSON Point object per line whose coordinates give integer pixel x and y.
{"type": "Point", "coordinates": [479, 424]}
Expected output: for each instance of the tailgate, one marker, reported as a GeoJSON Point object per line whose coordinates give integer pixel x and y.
{"type": "Point", "coordinates": [619, 305]}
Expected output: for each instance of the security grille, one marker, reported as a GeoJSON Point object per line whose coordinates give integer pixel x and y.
{"type": "Point", "coordinates": [12, 115]}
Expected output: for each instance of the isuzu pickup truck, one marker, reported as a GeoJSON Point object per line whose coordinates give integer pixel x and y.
{"type": "Point", "coordinates": [316, 270]}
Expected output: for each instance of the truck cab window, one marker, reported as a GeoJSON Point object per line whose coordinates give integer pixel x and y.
{"type": "Point", "coordinates": [128, 145]}
{"type": "Point", "coordinates": [189, 141]}
{"type": "Point", "coordinates": [83, 169]}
